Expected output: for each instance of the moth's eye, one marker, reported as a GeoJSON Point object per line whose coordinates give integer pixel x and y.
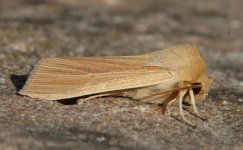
{"type": "Point", "coordinates": [196, 87]}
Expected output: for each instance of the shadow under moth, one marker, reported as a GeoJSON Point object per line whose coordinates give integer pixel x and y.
{"type": "Point", "coordinates": [174, 75]}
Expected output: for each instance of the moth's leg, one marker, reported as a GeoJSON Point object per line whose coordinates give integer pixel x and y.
{"type": "Point", "coordinates": [83, 100]}
{"type": "Point", "coordinates": [192, 98]}
{"type": "Point", "coordinates": [193, 102]}
{"type": "Point", "coordinates": [165, 105]}
{"type": "Point", "coordinates": [181, 95]}
{"type": "Point", "coordinates": [172, 101]}
{"type": "Point", "coordinates": [163, 108]}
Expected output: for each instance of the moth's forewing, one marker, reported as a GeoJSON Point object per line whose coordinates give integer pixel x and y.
{"type": "Point", "coordinates": [61, 78]}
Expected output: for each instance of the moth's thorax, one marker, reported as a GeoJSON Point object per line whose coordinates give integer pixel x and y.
{"type": "Point", "coordinates": [184, 60]}
{"type": "Point", "coordinates": [192, 69]}
{"type": "Point", "coordinates": [187, 65]}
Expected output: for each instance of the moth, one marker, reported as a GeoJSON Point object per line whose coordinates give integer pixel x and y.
{"type": "Point", "coordinates": [174, 75]}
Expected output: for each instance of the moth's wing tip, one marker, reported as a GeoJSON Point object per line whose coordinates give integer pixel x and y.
{"type": "Point", "coordinates": [28, 82]}
{"type": "Point", "coordinates": [26, 93]}
{"type": "Point", "coordinates": [23, 91]}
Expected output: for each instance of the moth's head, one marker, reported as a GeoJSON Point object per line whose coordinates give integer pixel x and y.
{"type": "Point", "coordinates": [202, 87]}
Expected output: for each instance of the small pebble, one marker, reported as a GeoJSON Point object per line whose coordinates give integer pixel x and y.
{"type": "Point", "coordinates": [22, 47]}
{"type": "Point", "coordinates": [80, 50]}
{"type": "Point", "coordinates": [142, 109]}
{"type": "Point", "coordinates": [101, 139]}
{"type": "Point", "coordinates": [2, 56]}
{"type": "Point", "coordinates": [240, 100]}
{"type": "Point", "coordinates": [2, 80]}
{"type": "Point", "coordinates": [225, 103]}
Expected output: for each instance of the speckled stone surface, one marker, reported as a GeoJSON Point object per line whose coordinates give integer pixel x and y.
{"type": "Point", "coordinates": [35, 29]}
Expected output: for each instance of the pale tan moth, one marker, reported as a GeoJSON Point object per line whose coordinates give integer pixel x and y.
{"type": "Point", "coordinates": [173, 75]}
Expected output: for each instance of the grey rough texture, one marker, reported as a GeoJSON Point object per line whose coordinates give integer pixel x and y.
{"type": "Point", "coordinates": [34, 29]}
